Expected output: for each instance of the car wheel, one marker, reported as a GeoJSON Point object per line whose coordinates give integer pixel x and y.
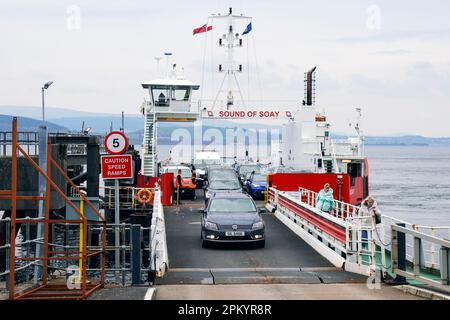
{"type": "Point", "coordinates": [262, 244]}
{"type": "Point", "coordinates": [204, 244]}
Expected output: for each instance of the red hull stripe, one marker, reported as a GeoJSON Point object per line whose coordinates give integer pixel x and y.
{"type": "Point", "coordinates": [328, 227]}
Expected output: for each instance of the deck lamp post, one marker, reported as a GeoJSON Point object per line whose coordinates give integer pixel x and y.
{"type": "Point", "coordinates": [45, 87]}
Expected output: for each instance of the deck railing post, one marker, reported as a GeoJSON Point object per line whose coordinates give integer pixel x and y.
{"type": "Point", "coordinates": [416, 255]}
{"type": "Point", "coordinates": [43, 136]}
{"type": "Point", "coordinates": [136, 254]}
{"type": "Point", "coordinates": [445, 266]}
{"type": "Point", "coordinates": [399, 253]}
{"type": "Point", "coordinates": [12, 240]}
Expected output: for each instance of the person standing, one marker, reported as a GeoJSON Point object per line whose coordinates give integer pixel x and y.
{"type": "Point", "coordinates": [371, 217]}
{"type": "Point", "coordinates": [194, 178]}
{"type": "Point", "coordinates": [325, 200]}
{"type": "Point", "coordinates": [179, 186]}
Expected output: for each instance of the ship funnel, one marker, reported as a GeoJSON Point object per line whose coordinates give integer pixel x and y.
{"type": "Point", "coordinates": [310, 87]}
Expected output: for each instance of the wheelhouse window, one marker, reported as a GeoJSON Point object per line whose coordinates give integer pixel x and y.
{"type": "Point", "coordinates": [161, 96]}
{"type": "Point", "coordinates": [180, 93]}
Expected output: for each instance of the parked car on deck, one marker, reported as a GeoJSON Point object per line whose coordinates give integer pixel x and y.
{"type": "Point", "coordinates": [188, 188]}
{"type": "Point", "coordinates": [255, 185]}
{"type": "Point", "coordinates": [244, 170]}
{"type": "Point", "coordinates": [220, 186]}
{"type": "Point", "coordinates": [232, 217]}
{"type": "Point", "coordinates": [204, 159]}
{"type": "Point", "coordinates": [218, 173]}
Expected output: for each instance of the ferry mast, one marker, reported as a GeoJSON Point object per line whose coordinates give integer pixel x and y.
{"type": "Point", "coordinates": [230, 40]}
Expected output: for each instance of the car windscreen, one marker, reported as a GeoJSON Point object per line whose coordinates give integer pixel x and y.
{"type": "Point", "coordinates": [215, 174]}
{"type": "Point", "coordinates": [259, 178]}
{"type": "Point", "coordinates": [224, 184]}
{"type": "Point", "coordinates": [231, 205]}
{"type": "Point", "coordinates": [185, 173]}
{"type": "Point", "coordinates": [206, 162]}
{"type": "Point", "coordinates": [243, 170]}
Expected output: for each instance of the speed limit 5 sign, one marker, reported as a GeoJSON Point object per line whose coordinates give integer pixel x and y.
{"type": "Point", "coordinates": [116, 142]}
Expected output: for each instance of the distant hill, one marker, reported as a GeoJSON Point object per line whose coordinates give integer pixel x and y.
{"type": "Point", "coordinates": [28, 124]}
{"type": "Point", "coordinates": [405, 140]}
{"type": "Point", "coordinates": [50, 112]}
{"type": "Point", "coordinates": [62, 119]}
{"type": "Point", "coordinates": [73, 119]}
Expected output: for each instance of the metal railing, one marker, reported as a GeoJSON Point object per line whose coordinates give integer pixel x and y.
{"type": "Point", "coordinates": [417, 257]}
{"type": "Point", "coordinates": [340, 210]}
{"type": "Point", "coordinates": [134, 264]}
{"type": "Point", "coordinates": [430, 251]}
{"type": "Point", "coordinates": [5, 247]}
{"type": "Point", "coordinates": [333, 155]}
{"type": "Point", "coordinates": [141, 250]}
{"type": "Point", "coordinates": [382, 231]}
{"type": "Point", "coordinates": [360, 242]}
{"type": "Point", "coordinates": [128, 197]}
{"type": "Point", "coordinates": [29, 141]}
{"type": "Point", "coordinates": [367, 243]}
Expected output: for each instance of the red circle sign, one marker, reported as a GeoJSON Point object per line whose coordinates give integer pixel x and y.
{"type": "Point", "coordinates": [116, 142]}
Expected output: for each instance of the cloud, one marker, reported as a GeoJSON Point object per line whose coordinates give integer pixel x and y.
{"type": "Point", "coordinates": [362, 83]}
{"type": "Point", "coordinates": [394, 52]}
{"type": "Point", "coordinates": [397, 36]}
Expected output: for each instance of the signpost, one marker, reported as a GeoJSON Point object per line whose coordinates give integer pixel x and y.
{"type": "Point", "coordinates": [116, 166]}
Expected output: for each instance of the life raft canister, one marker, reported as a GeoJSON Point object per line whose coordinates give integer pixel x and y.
{"type": "Point", "coordinates": [144, 195]}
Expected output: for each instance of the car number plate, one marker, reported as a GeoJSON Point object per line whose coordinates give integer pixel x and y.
{"type": "Point", "coordinates": [235, 233]}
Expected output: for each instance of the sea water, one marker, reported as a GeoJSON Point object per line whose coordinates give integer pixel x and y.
{"type": "Point", "coordinates": [411, 183]}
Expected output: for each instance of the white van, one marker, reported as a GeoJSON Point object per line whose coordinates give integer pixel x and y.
{"type": "Point", "coordinates": [203, 159]}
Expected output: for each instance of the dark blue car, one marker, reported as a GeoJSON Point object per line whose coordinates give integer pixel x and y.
{"type": "Point", "coordinates": [256, 185]}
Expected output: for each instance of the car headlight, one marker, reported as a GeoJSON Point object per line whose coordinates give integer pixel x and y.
{"type": "Point", "coordinates": [210, 225]}
{"type": "Point", "coordinates": [257, 225]}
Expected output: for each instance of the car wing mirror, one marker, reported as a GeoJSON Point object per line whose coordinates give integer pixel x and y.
{"type": "Point", "coordinates": [202, 211]}
{"type": "Point", "coordinates": [262, 210]}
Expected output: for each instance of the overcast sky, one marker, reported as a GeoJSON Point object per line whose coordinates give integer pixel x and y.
{"type": "Point", "coordinates": [391, 58]}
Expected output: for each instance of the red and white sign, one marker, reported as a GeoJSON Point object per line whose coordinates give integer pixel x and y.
{"type": "Point", "coordinates": [249, 114]}
{"type": "Point", "coordinates": [116, 142]}
{"type": "Point", "coordinates": [117, 167]}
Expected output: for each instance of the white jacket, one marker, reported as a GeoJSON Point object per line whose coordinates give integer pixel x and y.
{"type": "Point", "coordinates": [370, 213]}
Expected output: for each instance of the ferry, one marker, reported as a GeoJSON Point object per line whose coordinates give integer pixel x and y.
{"type": "Point", "coordinates": [133, 229]}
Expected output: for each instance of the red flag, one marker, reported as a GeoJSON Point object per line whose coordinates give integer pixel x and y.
{"type": "Point", "coordinates": [201, 29]}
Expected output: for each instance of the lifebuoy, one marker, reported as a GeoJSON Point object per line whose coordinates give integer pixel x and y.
{"type": "Point", "coordinates": [144, 195]}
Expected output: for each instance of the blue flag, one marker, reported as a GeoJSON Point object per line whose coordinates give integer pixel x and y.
{"type": "Point", "coordinates": [247, 29]}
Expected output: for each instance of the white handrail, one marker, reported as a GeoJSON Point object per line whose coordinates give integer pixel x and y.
{"type": "Point", "coordinates": [341, 209]}
{"type": "Point", "coordinates": [159, 258]}
{"type": "Point", "coordinates": [333, 154]}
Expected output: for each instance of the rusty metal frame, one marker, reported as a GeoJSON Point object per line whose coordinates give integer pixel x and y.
{"type": "Point", "coordinates": [47, 290]}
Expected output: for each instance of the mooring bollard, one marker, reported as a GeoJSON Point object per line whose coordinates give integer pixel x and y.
{"type": "Point", "coordinates": [136, 254]}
